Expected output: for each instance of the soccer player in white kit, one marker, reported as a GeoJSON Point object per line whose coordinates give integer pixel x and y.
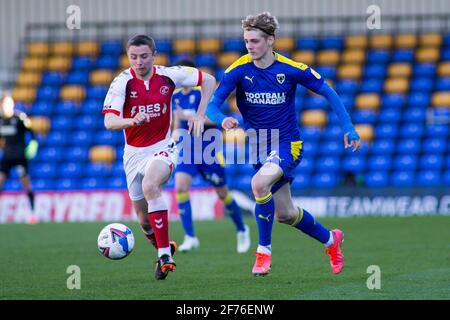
{"type": "Point", "coordinates": [138, 102]}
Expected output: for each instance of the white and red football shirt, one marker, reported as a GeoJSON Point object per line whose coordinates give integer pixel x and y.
{"type": "Point", "coordinates": [129, 95]}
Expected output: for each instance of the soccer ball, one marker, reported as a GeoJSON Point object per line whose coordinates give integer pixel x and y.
{"type": "Point", "coordinates": [115, 241]}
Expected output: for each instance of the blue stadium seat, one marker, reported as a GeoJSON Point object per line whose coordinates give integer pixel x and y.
{"type": "Point", "coordinates": [391, 115]}
{"type": "Point", "coordinates": [383, 147]}
{"type": "Point", "coordinates": [306, 165]}
{"type": "Point", "coordinates": [77, 153]}
{"type": "Point", "coordinates": [307, 43]}
{"type": "Point", "coordinates": [12, 185]}
{"type": "Point", "coordinates": [403, 55]}
{"type": "Point", "coordinates": [233, 45]}
{"type": "Point", "coordinates": [347, 87]}
{"type": "Point", "coordinates": [80, 77]}
{"type": "Point", "coordinates": [67, 184]}
{"type": "Point", "coordinates": [414, 114]}
{"type": "Point", "coordinates": [310, 134]}
{"type": "Point", "coordinates": [376, 179]}
{"type": "Point", "coordinates": [108, 62]}
{"type": "Point", "coordinates": [348, 100]}
{"type": "Point", "coordinates": [408, 146]}
{"type": "Point", "coordinates": [437, 131]}
{"type": "Point", "coordinates": [88, 122]}
{"type": "Point", "coordinates": [378, 56]}
{"type": "Point", "coordinates": [83, 63]}
{"type": "Point", "coordinates": [112, 47]}
{"type": "Point", "coordinates": [95, 170]}
{"type": "Point", "coordinates": [118, 171]}
{"type": "Point", "coordinates": [386, 131]}
{"type": "Point", "coordinates": [393, 100]}
{"type": "Point", "coordinates": [116, 183]}
{"type": "Point", "coordinates": [310, 148]}
{"type": "Point", "coordinates": [109, 137]}
{"type": "Point", "coordinates": [419, 99]}
{"type": "Point", "coordinates": [371, 85]}
{"type": "Point", "coordinates": [62, 123]}
{"type": "Point", "coordinates": [43, 184]}
{"type": "Point", "coordinates": [429, 178]}
{"type": "Point", "coordinates": [333, 133]}
{"type": "Point", "coordinates": [206, 60]}
{"type": "Point", "coordinates": [402, 178]}
{"type": "Point", "coordinates": [72, 170]}
{"type": "Point", "coordinates": [52, 78]}
{"type": "Point", "coordinates": [442, 84]}
{"type": "Point", "coordinates": [330, 148]}
{"type": "Point", "coordinates": [179, 56]}
{"type": "Point", "coordinates": [316, 102]}
{"type": "Point", "coordinates": [325, 180]}
{"type": "Point", "coordinates": [446, 40]}
{"type": "Point", "coordinates": [163, 45]}
{"type": "Point", "coordinates": [50, 154]}
{"type": "Point", "coordinates": [332, 42]}
{"type": "Point", "coordinates": [327, 72]}
{"type": "Point", "coordinates": [119, 152]}
{"type": "Point", "coordinates": [434, 145]}
{"type": "Point", "coordinates": [374, 70]}
{"type": "Point", "coordinates": [446, 178]}
{"type": "Point", "coordinates": [364, 117]}
{"type": "Point", "coordinates": [43, 108]}
{"type": "Point", "coordinates": [328, 164]}
{"type": "Point", "coordinates": [82, 138]}
{"type": "Point", "coordinates": [445, 54]}
{"type": "Point", "coordinates": [44, 170]}
{"type": "Point", "coordinates": [93, 183]}
{"type": "Point", "coordinates": [379, 163]}
{"type": "Point", "coordinates": [405, 162]}
{"type": "Point", "coordinates": [301, 181]}
{"type": "Point", "coordinates": [56, 139]}
{"type": "Point", "coordinates": [67, 108]}
{"type": "Point", "coordinates": [92, 106]}
{"type": "Point", "coordinates": [354, 163]}
{"type": "Point", "coordinates": [421, 84]}
{"type": "Point", "coordinates": [424, 70]}
{"type": "Point", "coordinates": [96, 92]}
{"type": "Point", "coordinates": [431, 162]}
{"type": "Point", "coordinates": [412, 130]}
{"type": "Point", "coordinates": [47, 93]}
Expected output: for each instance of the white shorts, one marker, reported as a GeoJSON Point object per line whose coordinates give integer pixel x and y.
{"type": "Point", "coordinates": [136, 161]}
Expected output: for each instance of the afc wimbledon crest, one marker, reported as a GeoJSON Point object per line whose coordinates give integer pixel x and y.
{"type": "Point", "coordinates": [280, 78]}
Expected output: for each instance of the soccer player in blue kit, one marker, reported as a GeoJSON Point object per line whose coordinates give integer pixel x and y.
{"type": "Point", "coordinates": [265, 83]}
{"type": "Point", "coordinates": [185, 102]}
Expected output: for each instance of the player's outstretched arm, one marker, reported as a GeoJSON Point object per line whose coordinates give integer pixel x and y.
{"type": "Point", "coordinates": [114, 122]}
{"type": "Point", "coordinates": [351, 137]}
{"type": "Point", "coordinates": [196, 123]}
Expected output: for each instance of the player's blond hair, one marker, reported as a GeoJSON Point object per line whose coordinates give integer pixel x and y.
{"type": "Point", "coordinates": [265, 22]}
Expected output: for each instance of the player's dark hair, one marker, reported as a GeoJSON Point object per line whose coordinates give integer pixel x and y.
{"type": "Point", "coordinates": [142, 40]}
{"type": "Point", "coordinates": [265, 22]}
{"type": "Point", "coordinates": [186, 63]}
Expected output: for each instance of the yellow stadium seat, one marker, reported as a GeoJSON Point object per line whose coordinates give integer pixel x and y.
{"type": "Point", "coordinates": [72, 93]}
{"type": "Point", "coordinates": [304, 56]}
{"type": "Point", "coordinates": [235, 136]}
{"type": "Point", "coordinates": [350, 71]}
{"type": "Point", "coordinates": [40, 124]}
{"type": "Point", "coordinates": [102, 154]}
{"type": "Point", "coordinates": [314, 118]}
{"type": "Point", "coordinates": [381, 41]}
{"type": "Point", "coordinates": [430, 40]}
{"type": "Point", "coordinates": [406, 41]}
{"type": "Point", "coordinates": [28, 78]}
{"type": "Point", "coordinates": [368, 101]}
{"type": "Point", "coordinates": [441, 99]}
{"type": "Point", "coordinates": [101, 77]}
{"type": "Point", "coordinates": [399, 70]}
{"type": "Point", "coordinates": [87, 48]}
{"type": "Point", "coordinates": [62, 48]}
{"type": "Point", "coordinates": [396, 85]}
{"type": "Point", "coordinates": [365, 131]}
{"type": "Point", "coordinates": [59, 63]}
{"type": "Point", "coordinates": [328, 57]}
{"type": "Point", "coordinates": [209, 45]}
{"type": "Point", "coordinates": [430, 54]}
{"type": "Point", "coordinates": [354, 56]}
{"type": "Point", "coordinates": [184, 46]}
{"type": "Point", "coordinates": [38, 49]}
{"type": "Point", "coordinates": [161, 59]}
{"type": "Point", "coordinates": [124, 63]}
{"type": "Point", "coordinates": [444, 69]}
{"type": "Point", "coordinates": [24, 94]}
{"type": "Point", "coordinates": [225, 59]}
{"type": "Point", "coordinates": [34, 63]}
{"type": "Point", "coordinates": [356, 42]}
{"type": "Point", "coordinates": [284, 44]}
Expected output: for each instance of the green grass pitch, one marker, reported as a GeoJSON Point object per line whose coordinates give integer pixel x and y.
{"type": "Point", "coordinates": [411, 252]}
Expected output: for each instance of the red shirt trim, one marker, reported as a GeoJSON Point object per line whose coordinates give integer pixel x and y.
{"type": "Point", "coordinates": [117, 113]}
{"type": "Point", "coordinates": [200, 77]}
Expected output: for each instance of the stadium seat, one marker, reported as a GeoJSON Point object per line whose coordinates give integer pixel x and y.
{"type": "Point", "coordinates": [437, 131]}
{"type": "Point", "coordinates": [112, 47]}
{"type": "Point", "coordinates": [364, 116]}
{"type": "Point", "coordinates": [87, 48]}
{"type": "Point", "coordinates": [301, 180]}
{"type": "Point", "coordinates": [116, 183]}
{"type": "Point", "coordinates": [209, 45]}
{"type": "Point", "coordinates": [101, 77]}
{"type": "Point", "coordinates": [24, 94]}
{"type": "Point", "coordinates": [371, 86]}
{"type": "Point", "coordinates": [328, 57]}
{"type": "Point", "coordinates": [402, 178]}
{"type": "Point", "coordinates": [421, 84]}
{"type": "Point", "coordinates": [63, 48]}
{"type": "Point", "coordinates": [47, 93]}
{"type": "Point", "coordinates": [43, 184]}
{"type": "Point", "coordinates": [376, 179]}
{"type": "Point", "coordinates": [306, 165]}
{"type": "Point", "coordinates": [83, 63]}
{"type": "Point", "coordinates": [234, 45]}
{"type": "Point", "coordinates": [405, 162]}
{"type": "Point", "coordinates": [403, 55]}
{"type": "Point", "coordinates": [412, 130]}
{"type": "Point", "coordinates": [424, 70]}
{"type": "Point", "coordinates": [390, 115]}
{"type": "Point", "coordinates": [310, 134]}
{"type": "Point", "coordinates": [79, 153]}
{"type": "Point", "coordinates": [350, 71]}
{"type": "Point", "coordinates": [431, 162]}
{"type": "Point", "coordinates": [378, 56]}
{"type": "Point", "coordinates": [328, 72]}
{"type": "Point", "coordinates": [206, 60]}
{"type": "Point", "coordinates": [77, 77]}
{"type": "Point", "coordinates": [347, 86]}
{"type": "Point", "coordinates": [42, 108]}
{"type": "Point", "coordinates": [72, 170]}
{"type": "Point", "coordinates": [430, 40]}
{"type": "Point", "coordinates": [325, 180]}
{"type": "Point", "coordinates": [97, 92]}
{"type": "Point", "coordinates": [356, 41]}
{"type": "Point", "coordinates": [370, 101]}
{"type": "Point", "coordinates": [408, 146]}
{"type": "Point", "coordinates": [354, 163]}
{"type": "Point", "coordinates": [59, 63]}
{"type": "Point", "coordinates": [330, 148]}
{"type": "Point", "coordinates": [28, 78]}
{"type": "Point", "coordinates": [434, 145]}
{"type": "Point", "coordinates": [45, 170]}
{"type": "Point", "coordinates": [163, 45]}
{"type": "Point", "coordinates": [225, 59]}
{"type": "Point", "coordinates": [333, 133]}
{"type": "Point", "coordinates": [102, 153]}
{"type": "Point", "coordinates": [304, 56]}
{"type": "Point", "coordinates": [406, 41]}
{"type": "Point", "coordinates": [37, 64]}
{"type": "Point", "coordinates": [419, 100]}
{"type": "Point", "coordinates": [307, 43]}
{"type": "Point", "coordinates": [38, 49]}
{"type": "Point", "coordinates": [67, 108]}
{"type": "Point", "coordinates": [53, 78]}
{"type": "Point", "coordinates": [375, 70]}
{"type": "Point", "coordinates": [354, 56]}
{"type": "Point", "coordinates": [442, 84]}
{"type": "Point", "coordinates": [396, 85]}
{"type": "Point", "coordinates": [444, 69]}
{"type": "Point", "coordinates": [184, 46]}
{"type": "Point", "coordinates": [40, 124]}
{"type": "Point", "coordinates": [414, 114]}
{"type": "Point", "coordinates": [386, 131]}
{"type": "Point", "coordinates": [160, 59]}
{"type": "Point", "coordinates": [427, 55]}
{"type": "Point", "coordinates": [284, 43]}
{"type": "Point", "coordinates": [72, 93]}
{"type": "Point", "coordinates": [441, 99]}
{"type": "Point", "coordinates": [315, 118]}
{"type": "Point", "coordinates": [381, 41]}
{"type": "Point", "coordinates": [429, 178]}
{"type": "Point", "coordinates": [108, 62]}
{"type": "Point", "coordinates": [67, 184]}
{"type": "Point", "coordinates": [82, 138]}
{"type": "Point", "coordinates": [107, 137]}
{"type": "Point", "coordinates": [403, 70]}
{"type": "Point", "coordinates": [383, 146]}
{"type": "Point", "coordinates": [56, 139]}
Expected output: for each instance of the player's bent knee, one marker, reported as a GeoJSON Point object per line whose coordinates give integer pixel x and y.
{"type": "Point", "coordinates": [259, 188]}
